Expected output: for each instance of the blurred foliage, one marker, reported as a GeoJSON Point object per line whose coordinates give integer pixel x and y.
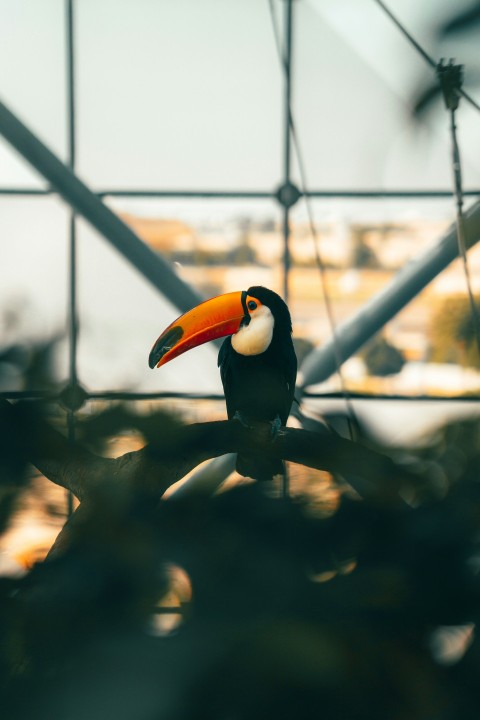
{"type": "Point", "coordinates": [29, 369]}
{"type": "Point", "coordinates": [465, 20]}
{"type": "Point", "coordinates": [382, 358]}
{"type": "Point", "coordinates": [461, 27]}
{"type": "Point", "coordinates": [363, 255]}
{"type": "Point", "coordinates": [292, 613]}
{"type": "Point", "coordinates": [452, 333]}
{"type": "Point", "coordinates": [242, 254]}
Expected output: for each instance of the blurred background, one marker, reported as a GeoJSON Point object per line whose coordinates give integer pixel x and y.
{"type": "Point", "coordinates": [179, 116]}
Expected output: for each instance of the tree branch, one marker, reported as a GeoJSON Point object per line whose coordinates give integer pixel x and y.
{"type": "Point", "coordinates": [176, 451]}
{"type": "Point", "coordinates": [182, 447]}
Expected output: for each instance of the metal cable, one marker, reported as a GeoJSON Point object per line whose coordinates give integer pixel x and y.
{"type": "Point", "coordinates": [72, 266]}
{"type": "Point", "coordinates": [353, 420]}
{"type": "Point", "coordinates": [460, 224]}
{"type": "Point", "coordinates": [428, 59]}
{"type": "Point", "coordinates": [450, 78]}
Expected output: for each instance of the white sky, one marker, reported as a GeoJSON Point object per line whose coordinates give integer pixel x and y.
{"type": "Point", "coordinates": [187, 94]}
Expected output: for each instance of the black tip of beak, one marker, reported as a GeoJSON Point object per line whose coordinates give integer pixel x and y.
{"type": "Point", "coordinates": [152, 361]}
{"type": "Point", "coordinates": [164, 344]}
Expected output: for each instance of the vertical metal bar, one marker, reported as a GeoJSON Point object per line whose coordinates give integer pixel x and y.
{"type": "Point", "coordinates": [287, 54]}
{"type": "Point", "coordinates": [72, 268]}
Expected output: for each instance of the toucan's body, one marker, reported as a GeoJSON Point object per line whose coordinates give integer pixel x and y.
{"type": "Point", "coordinates": [257, 360]}
{"type": "Point", "coordinates": [258, 387]}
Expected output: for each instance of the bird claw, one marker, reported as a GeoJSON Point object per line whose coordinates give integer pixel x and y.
{"type": "Point", "coordinates": [275, 426]}
{"type": "Point", "coordinates": [246, 422]}
{"type": "Point", "coordinates": [242, 420]}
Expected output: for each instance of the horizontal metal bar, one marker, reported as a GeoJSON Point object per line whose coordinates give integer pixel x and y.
{"type": "Point", "coordinates": [29, 395]}
{"type": "Point", "coordinates": [113, 395]}
{"type": "Point", "coordinates": [247, 194]}
{"type": "Point", "coordinates": [253, 194]}
{"type": "Point", "coordinates": [150, 264]}
{"type": "Point", "coordinates": [25, 191]}
{"type": "Point", "coordinates": [394, 398]}
{"type": "Point", "coordinates": [109, 395]}
{"type": "Point", "coordinates": [321, 363]}
{"type": "Point", "coordinates": [381, 194]}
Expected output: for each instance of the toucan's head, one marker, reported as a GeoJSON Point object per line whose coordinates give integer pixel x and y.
{"type": "Point", "coordinates": [251, 316]}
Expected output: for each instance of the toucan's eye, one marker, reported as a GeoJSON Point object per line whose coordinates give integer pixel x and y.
{"type": "Point", "coordinates": [252, 304]}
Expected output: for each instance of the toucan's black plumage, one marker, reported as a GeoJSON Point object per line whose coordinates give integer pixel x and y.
{"type": "Point", "coordinates": [261, 387]}
{"type": "Point", "coordinates": [257, 360]}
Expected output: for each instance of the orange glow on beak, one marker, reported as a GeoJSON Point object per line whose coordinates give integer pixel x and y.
{"type": "Point", "coordinates": [214, 318]}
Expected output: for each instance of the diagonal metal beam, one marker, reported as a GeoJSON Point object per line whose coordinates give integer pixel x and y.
{"type": "Point", "coordinates": [151, 265]}
{"type": "Point", "coordinates": [321, 363]}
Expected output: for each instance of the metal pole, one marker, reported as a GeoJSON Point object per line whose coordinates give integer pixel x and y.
{"type": "Point", "coordinates": [71, 164]}
{"type": "Point", "coordinates": [287, 147]}
{"type": "Point", "coordinates": [72, 268]}
{"type": "Point", "coordinates": [321, 363]}
{"type": "Point", "coordinates": [287, 192]}
{"type": "Point", "coordinates": [150, 264]}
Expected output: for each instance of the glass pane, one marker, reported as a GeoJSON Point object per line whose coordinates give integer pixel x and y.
{"type": "Point", "coordinates": [32, 78]}
{"type": "Point", "coordinates": [180, 94]}
{"type": "Point", "coordinates": [428, 348]}
{"type": "Point", "coordinates": [33, 271]}
{"type": "Point", "coordinates": [215, 246]}
{"type": "Point", "coordinates": [356, 82]}
{"type": "Point", "coordinates": [15, 172]}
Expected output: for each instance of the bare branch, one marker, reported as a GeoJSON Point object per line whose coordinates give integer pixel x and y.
{"type": "Point", "coordinates": [181, 448]}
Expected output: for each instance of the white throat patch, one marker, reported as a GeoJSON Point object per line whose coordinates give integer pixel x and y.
{"type": "Point", "coordinates": [254, 338]}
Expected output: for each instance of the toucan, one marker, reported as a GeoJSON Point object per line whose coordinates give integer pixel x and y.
{"type": "Point", "coordinates": [257, 360]}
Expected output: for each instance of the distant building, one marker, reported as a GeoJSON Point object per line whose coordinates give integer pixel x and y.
{"type": "Point", "coordinates": [160, 234]}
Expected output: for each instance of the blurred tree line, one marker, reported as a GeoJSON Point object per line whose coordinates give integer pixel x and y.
{"type": "Point", "coordinates": [382, 358]}
{"type": "Point", "coordinates": [452, 333]}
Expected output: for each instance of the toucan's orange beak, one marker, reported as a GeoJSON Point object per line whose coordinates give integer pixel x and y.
{"type": "Point", "coordinates": [215, 318]}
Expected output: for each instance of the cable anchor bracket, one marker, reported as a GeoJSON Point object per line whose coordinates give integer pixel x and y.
{"type": "Point", "coordinates": [450, 77]}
